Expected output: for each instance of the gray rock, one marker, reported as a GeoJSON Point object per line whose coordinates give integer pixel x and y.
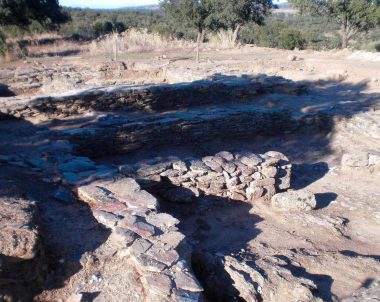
{"type": "Point", "coordinates": [167, 257]}
{"type": "Point", "coordinates": [153, 169]}
{"type": "Point", "coordinates": [171, 240]}
{"type": "Point", "coordinates": [198, 166]}
{"type": "Point", "coordinates": [162, 220]}
{"type": "Point", "coordinates": [277, 155]}
{"type": "Point", "coordinates": [186, 281]}
{"type": "Point", "coordinates": [147, 263]}
{"type": "Point", "coordinates": [269, 171]}
{"type": "Point", "coordinates": [251, 160]}
{"type": "Point", "coordinates": [214, 162]}
{"type": "Point", "coordinates": [294, 200]}
{"type": "Point", "coordinates": [254, 193]}
{"type": "Point", "coordinates": [140, 246]}
{"type": "Point", "coordinates": [263, 182]}
{"type": "Point", "coordinates": [229, 167]}
{"type": "Point", "coordinates": [180, 166]}
{"type": "Point", "coordinates": [228, 156]}
{"type": "Point", "coordinates": [160, 284]}
{"type": "Point", "coordinates": [123, 236]}
{"type": "Point", "coordinates": [108, 219]}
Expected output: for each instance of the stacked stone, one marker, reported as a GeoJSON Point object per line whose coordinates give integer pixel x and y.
{"type": "Point", "coordinates": [148, 239]}
{"type": "Point", "coordinates": [144, 238]}
{"type": "Point", "coordinates": [147, 98]}
{"type": "Point", "coordinates": [240, 176]}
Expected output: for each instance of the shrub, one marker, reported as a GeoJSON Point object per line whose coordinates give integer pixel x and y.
{"type": "Point", "coordinates": [291, 39]}
{"type": "Point", "coordinates": [102, 28]}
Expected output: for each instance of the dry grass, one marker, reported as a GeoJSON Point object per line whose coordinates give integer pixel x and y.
{"type": "Point", "coordinates": [41, 45]}
{"type": "Point", "coordinates": [59, 48]}
{"type": "Point", "coordinates": [135, 40]}
{"type": "Point", "coordinates": [223, 39]}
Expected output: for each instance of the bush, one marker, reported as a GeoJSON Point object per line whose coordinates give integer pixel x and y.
{"type": "Point", "coordinates": [102, 28]}
{"type": "Point", "coordinates": [3, 44]}
{"type": "Point", "coordinates": [291, 39]}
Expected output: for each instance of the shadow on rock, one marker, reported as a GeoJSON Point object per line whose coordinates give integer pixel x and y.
{"type": "Point", "coordinates": [213, 226]}
{"type": "Point", "coordinates": [323, 282]}
{"type": "Point", "coordinates": [5, 92]}
{"type": "Point", "coordinates": [357, 255]}
{"type": "Point", "coordinates": [305, 174]}
{"type": "Point", "coordinates": [324, 199]}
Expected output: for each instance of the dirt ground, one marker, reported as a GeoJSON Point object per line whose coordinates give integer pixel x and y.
{"type": "Point", "coordinates": [337, 245]}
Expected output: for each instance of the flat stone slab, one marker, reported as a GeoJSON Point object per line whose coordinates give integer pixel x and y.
{"type": "Point", "coordinates": [124, 190]}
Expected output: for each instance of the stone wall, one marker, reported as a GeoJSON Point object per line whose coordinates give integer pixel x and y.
{"type": "Point", "coordinates": [145, 239]}
{"type": "Point", "coordinates": [149, 98]}
{"type": "Point", "coordinates": [239, 176]}
{"type": "Point", "coordinates": [120, 135]}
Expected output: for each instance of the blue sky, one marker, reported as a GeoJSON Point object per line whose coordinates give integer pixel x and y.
{"type": "Point", "coordinates": [105, 4]}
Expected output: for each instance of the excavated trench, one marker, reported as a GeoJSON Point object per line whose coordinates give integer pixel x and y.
{"type": "Point", "coordinates": [178, 157]}
{"type": "Point", "coordinates": [206, 160]}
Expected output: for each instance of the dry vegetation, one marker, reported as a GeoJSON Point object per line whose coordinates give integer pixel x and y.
{"type": "Point", "coordinates": [135, 40]}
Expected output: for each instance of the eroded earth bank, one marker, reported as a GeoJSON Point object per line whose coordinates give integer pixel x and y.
{"type": "Point", "coordinates": [231, 188]}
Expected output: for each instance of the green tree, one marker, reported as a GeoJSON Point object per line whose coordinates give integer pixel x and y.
{"type": "Point", "coordinates": [353, 16]}
{"type": "Point", "coordinates": [291, 39]}
{"type": "Point", "coordinates": [234, 14]}
{"type": "Point", "coordinates": [197, 14]}
{"type": "Point", "coordinates": [101, 28]}
{"type": "Point", "coordinates": [23, 12]}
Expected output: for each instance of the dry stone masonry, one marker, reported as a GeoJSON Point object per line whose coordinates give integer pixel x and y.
{"type": "Point", "coordinates": [149, 98]}
{"type": "Point", "coordinates": [145, 238]}
{"type": "Point", "coordinates": [240, 176]}
{"type": "Point", "coordinates": [148, 239]}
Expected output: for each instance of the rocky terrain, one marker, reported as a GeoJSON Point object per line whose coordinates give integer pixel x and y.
{"type": "Point", "coordinates": [246, 179]}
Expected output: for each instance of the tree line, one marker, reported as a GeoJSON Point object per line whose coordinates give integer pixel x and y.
{"type": "Point", "coordinates": [249, 20]}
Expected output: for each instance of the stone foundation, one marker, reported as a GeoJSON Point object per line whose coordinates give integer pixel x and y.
{"type": "Point", "coordinates": [117, 135]}
{"type": "Point", "coordinates": [153, 98]}
{"type": "Point", "coordinates": [239, 176]}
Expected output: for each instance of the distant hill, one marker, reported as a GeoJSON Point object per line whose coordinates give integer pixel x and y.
{"type": "Point", "coordinates": [141, 7]}
{"type": "Point", "coordinates": [127, 8]}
